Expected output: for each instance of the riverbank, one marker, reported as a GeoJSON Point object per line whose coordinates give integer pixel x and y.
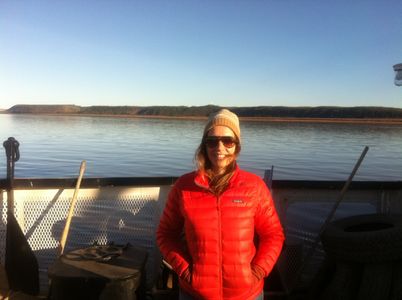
{"type": "Point", "coordinates": [261, 119]}
{"type": "Point", "coordinates": [386, 121]}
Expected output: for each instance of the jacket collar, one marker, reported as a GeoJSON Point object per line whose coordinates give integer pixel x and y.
{"type": "Point", "coordinates": [201, 179]}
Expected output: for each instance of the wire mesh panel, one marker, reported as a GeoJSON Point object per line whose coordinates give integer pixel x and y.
{"type": "Point", "coordinates": [118, 215]}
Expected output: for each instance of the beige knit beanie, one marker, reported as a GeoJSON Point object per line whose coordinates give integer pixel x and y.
{"type": "Point", "coordinates": [223, 117]}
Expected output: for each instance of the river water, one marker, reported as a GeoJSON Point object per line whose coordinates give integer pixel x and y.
{"type": "Point", "coordinates": [54, 146]}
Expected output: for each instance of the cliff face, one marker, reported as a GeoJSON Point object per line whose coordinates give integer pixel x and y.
{"type": "Point", "coordinates": [44, 109]}
{"type": "Point", "coordinates": [361, 112]}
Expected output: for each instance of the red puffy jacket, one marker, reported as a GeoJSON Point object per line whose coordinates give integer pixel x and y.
{"type": "Point", "coordinates": [220, 247]}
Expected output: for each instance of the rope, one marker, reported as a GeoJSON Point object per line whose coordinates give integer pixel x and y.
{"type": "Point", "coordinates": [97, 253]}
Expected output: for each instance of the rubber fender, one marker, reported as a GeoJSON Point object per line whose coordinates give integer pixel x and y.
{"type": "Point", "coordinates": [364, 238]}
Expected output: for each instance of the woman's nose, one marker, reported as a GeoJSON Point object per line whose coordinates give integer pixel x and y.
{"type": "Point", "coordinates": [221, 146]}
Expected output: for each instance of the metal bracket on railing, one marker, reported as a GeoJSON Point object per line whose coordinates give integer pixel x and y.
{"type": "Point", "coordinates": [268, 175]}
{"type": "Point", "coordinates": [13, 154]}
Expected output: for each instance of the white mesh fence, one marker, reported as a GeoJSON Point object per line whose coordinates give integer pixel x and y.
{"type": "Point", "coordinates": [118, 215]}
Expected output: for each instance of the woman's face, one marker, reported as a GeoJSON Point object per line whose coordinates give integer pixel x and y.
{"type": "Point", "coordinates": [220, 147]}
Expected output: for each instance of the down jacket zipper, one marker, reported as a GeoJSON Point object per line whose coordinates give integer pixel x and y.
{"type": "Point", "coordinates": [220, 244]}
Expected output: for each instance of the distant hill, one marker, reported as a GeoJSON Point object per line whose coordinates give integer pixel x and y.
{"type": "Point", "coordinates": [44, 109]}
{"type": "Point", "coordinates": [358, 112]}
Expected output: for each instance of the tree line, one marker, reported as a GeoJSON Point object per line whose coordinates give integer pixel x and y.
{"type": "Point", "coordinates": [358, 112]}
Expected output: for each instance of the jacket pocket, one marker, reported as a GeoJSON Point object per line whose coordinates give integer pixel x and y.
{"type": "Point", "coordinates": [248, 279]}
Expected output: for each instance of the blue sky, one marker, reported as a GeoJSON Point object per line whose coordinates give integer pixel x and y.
{"type": "Point", "coordinates": [228, 53]}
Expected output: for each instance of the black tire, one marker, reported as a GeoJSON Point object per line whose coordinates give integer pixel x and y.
{"type": "Point", "coordinates": [396, 290]}
{"type": "Point", "coordinates": [366, 238]}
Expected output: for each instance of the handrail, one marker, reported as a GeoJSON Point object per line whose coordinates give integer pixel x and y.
{"type": "Point", "coordinates": [96, 182]}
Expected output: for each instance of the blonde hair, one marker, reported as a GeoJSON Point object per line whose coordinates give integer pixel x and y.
{"type": "Point", "coordinates": [217, 182]}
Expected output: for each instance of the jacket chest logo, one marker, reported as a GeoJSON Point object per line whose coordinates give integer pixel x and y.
{"type": "Point", "coordinates": [238, 201]}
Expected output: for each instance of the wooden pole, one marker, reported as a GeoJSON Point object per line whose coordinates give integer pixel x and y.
{"type": "Point", "coordinates": [71, 210]}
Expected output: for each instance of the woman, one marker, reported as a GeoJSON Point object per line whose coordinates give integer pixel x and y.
{"type": "Point", "coordinates": [220, 231]}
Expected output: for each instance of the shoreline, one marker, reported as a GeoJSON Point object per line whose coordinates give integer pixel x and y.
{"type": "Point", "coordinates": [383, 121]}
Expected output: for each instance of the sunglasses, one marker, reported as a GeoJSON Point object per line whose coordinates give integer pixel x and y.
{"type": "Point", "coordinates": [213, 141]}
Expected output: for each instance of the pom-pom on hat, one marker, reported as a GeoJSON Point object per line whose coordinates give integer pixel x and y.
{"type": "Point", "coordinates": [223, 117]}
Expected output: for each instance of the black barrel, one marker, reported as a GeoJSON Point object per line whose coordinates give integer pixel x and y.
{"type": "Point", "coordinates": [99, 272]}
